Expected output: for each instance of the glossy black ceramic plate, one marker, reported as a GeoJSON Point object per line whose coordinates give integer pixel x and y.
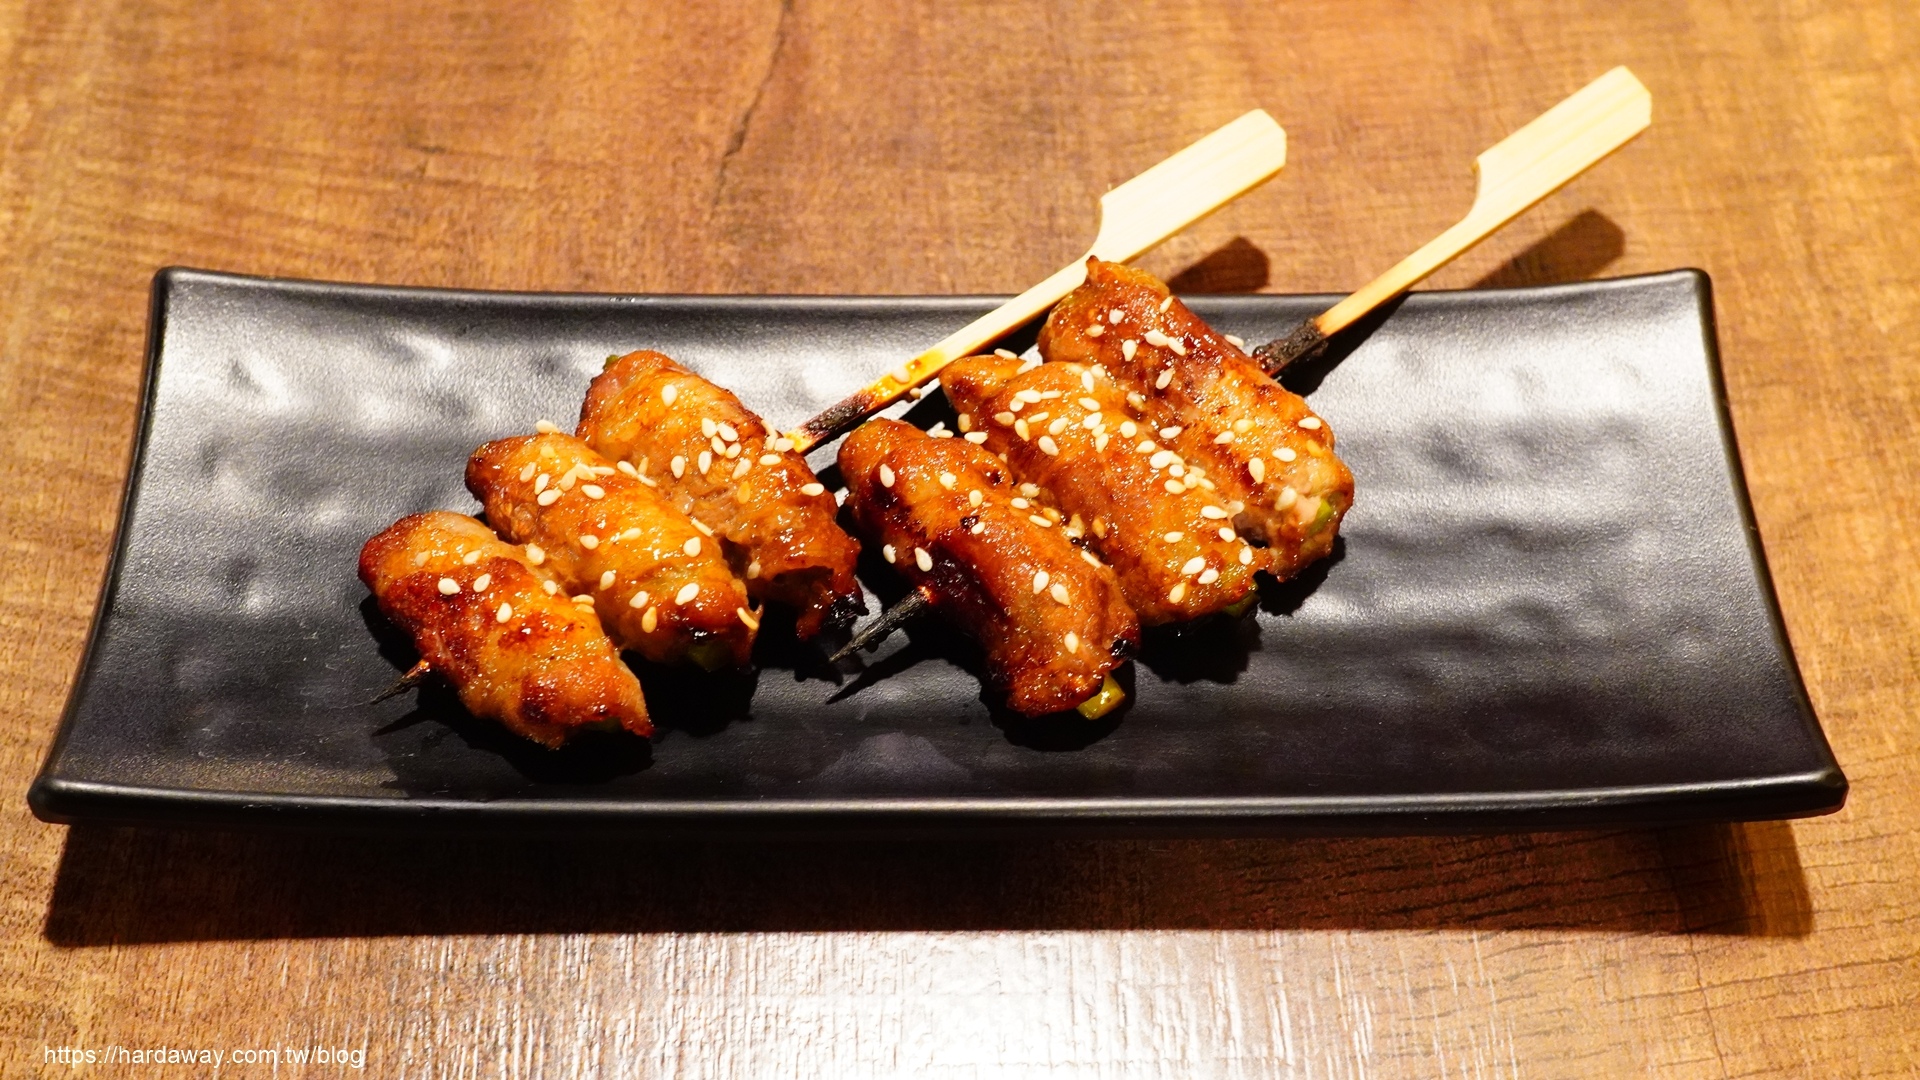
{"type": "Point", "coordinates": [1549, 608]}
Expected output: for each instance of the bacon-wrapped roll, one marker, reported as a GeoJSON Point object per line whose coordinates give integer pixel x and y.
{"type": "Point", "coordinates": [1261, 445]}
{"type": "Point", "coordinates": [499, 629]}
{"type": "Point", "coordinates": [1050, 617]}
{"type": "Point", "coordinates": [1157, 521]}
{"type": "Point", "coordinates": [718, 462]}
{"type": "Point", "coordinates": [658, 581]}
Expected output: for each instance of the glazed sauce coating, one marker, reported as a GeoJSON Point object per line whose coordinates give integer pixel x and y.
{"type": "Point", "coordinates": [717, 461]}
{"type": "Point", "coordinates": [1155, 520]}
{"type": "Point", "coordinates": [657, 580]}
{"type": "Point", "coordinates": [1050, 618]}
{"type": "Point", "coordinates": [1259, 443]}
{"type": "Point", "coordinates": [484, 617]}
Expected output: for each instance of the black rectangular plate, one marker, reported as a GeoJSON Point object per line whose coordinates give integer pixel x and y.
{"type": "Point", "coordinates": [1549, 609]}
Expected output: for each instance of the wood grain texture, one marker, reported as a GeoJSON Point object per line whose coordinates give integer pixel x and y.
{"type": "Point", "coordinates": [861, 146]}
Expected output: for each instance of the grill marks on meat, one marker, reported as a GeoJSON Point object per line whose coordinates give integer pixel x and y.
{"type": "Point", "coordinates": [534, 661]}
{"type": "Point", "coordinates": [1067, 428]}
{"type": "Point", "coordinates": [659, 583]}
{"type": "Point", "coordinates": [775, 519]}
{"type": "Point", "coordinates": [1260, 444]}
{"type": "Point", "coordinates": [989, 566]}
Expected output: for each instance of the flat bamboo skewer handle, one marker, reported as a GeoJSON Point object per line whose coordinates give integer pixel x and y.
{"type": "Point", "coordinates": [1518, 172]}
{"type": "Point", "coordinates": [1133, 217]}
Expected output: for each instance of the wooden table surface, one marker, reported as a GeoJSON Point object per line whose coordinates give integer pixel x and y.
{"type": "Point", "coordinates": [935, 147]}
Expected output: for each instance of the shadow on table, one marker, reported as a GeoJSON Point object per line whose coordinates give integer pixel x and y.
{"type": "Point", "coordinates": [125, 886]}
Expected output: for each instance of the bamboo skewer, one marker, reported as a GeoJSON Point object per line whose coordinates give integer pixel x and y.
{"type": "Point", "coordinates": [1133, 218]}
{"type": "Point", "coordinates": [1516, 173]}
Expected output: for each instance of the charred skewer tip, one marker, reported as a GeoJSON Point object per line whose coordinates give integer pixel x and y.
{"type": "Point", "coordinates": [871, 635]}
{"type": "Point", "coordinates": [411, 679]}
{"type": "Point", "coordinates": [1300, 343]}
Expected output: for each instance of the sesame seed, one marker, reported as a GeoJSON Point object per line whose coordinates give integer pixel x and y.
{"type": "Point", "coordinates": [783, 444]}
{"type": "Point", "coordinates": [1086, 380]}
{"type": "Point", "coordinates": [650, 620]}
{"type": "Point", "coordinates": [1128, 347]}
{"type": "Point", "coordinates": [769, 459]}
{"type": "Point", "coordinates": [692, 546]}
{"type": "Point", "coordinates": [526, 474]}
{"type": "Point", "coordinates": [448, 586]}
{"type": "Point", "coordinates": [1092, 421]}
{"type": "Point", "coordinates": [1223, 438]}
{"type": "Point", "coordinates": [939, 430]}
{"type": "Point", "coordinates": [732, 451]}
{"type": "Point", "coordinates": [1052, 514]}
{"type": "Point", "coordinates": [728, 432]}
{"type": "Point", "coordinates": [687, 592]}
{"type": "Point", "coordinates": [747, 618]}
{"type": "Point", "coordinates": [716, 446]}
{"type": "Point", "coordinates": [965, 421]}
{"type": "Point", "coordinates": [606, 579]}
{"type": "Point", "coordinates": [627, 467]}
{"type": "Point", "coordinates": [947, 480]}
{"type": "Point", "coordinates": [1115, 315]}
{"type": "Point", "coordinates": [974, 498]}
{"type": "Point", "coordinates": [1226, 534]}
{"type": "Point", "coordinates": [886, 475]}
{"type": "Point", "coordinates": [540, 484]}
{"type": "Point", "coordinates": [1165, 378]}
{"type": "Point", "coordinates": [1165, 304]}
{"type": "Point", "coordinates": [1095, 330]}
{"type": "Point", "coordinates": [668, 393]}
{"type": "Point", "coordinates": [1006, 354]}
{"type": "Point", "coordinates": [1163, 458]}
{"type": "Point", "coordinates": [1089, 404]}
{"type": "Point", "coordinates": [1257, 469]}
{"type": "Point", "coordinates": [1156, 338]}
{"type": "Point", "coordinates": [583, 599]}
{"type": "Point", "coordinates": [1214, 513]}
{"type": "Point", "coordinates": [480, 583]}
{"type": "Point", "coordinates": [1057, 426]}
{"type": "Point", "coordinates": [546, 427]}
{"type": "Point", "coordinates": [1236, 342]}
{"type": "Point", "coordinates": [1175, 487]}
{"type": "Point", "coordinates": [1287, 498]}
{"type": "Point", "coordinates": [1005, 418]}
{"type": "Point", "coordinates": [1040, 521]}
{"type": "Point", "coordinates": [1027, 365]}
{"type": "Point", "coordinates": [637, 600]}
{"type": "Point", "coordinates": [549, 497]}
{"type": "Point", "coordinates": [1072, 642]}
{"type": "Point", "coordinates": [922, 560]}
{"type": "Point", "coordinates": [593, 491]}
{"type": "Point", "coordinates": [1246, 555]}
{"type": "Point", "coordinates": [1031, 491]}
{"type": "Point", "coordinates": [1176, 536]}
{"type": "Point", "coordinates": [742, 469]}
{"type": "Point", "coordinates": [707, 426]}
{"type": "Point", "coordinates": [1179, 347]}
{"type": "Point", "coordinates": [1193, 566]}
{"type": "Point", "coordinates": [551, 587]}
{"type": "Point", "coordinates": [705, 529]}
{"type": "Point", "coordinates": [1285, 453]}
{"type": "Point", "coordinates": [976, 437]}
{"type": "Point", "coordinates": [1177, 469]}
{"type": "Point", "coordinates": [1090, 559]}
{"type": "Point", "coordinates": [706, 461]}
{"type": "Point", "coordinates": [1311, 423]}
{"type": "Point", "coordinates": [471, 557]}
{"type": "Point", "coordinates": [753, 570]}
{"type": "Point", "coordinates": [1100, 441]}
{"type": "Point", "coordinates": [1147, 446]}
{"type": "Point", "coordinates": [1020, 428]}
{"type": "Point", "coordinates": [1100, 528]}
{"type": "Point", "coordinates": [1128, 429]}
{"type": "Point", "coordinates": [421, 558]}
{"type": "Point", "coordinates": [589, 541]}
{"type": "Point", "coordinates": [1030, 396]}
{"type": "Point", "coordinates": [565, 483]}
{"type": "Point", "coordinates": [887, 552]}
{"type": "Point", "coordinates": [1020, 503]}
{"type": "Point", "coordinates": [505, 613]}
{"type": "Point", "coordinates": [1136, 400]}
{"type": "Point", "coordinates": [1059, 593]}
{"type": "Point", "coordinates": [1016, 404]}
{"type": "Point", "coordinates": [1178, 592]}
{"type": "Point", "coordinates": [678, 466]}
{"type": "Point", "coordinates": [1208, 576]}
{"type": "Point", "coordinates": [1048, 446]}
{"type": "Point", "coordinates": [903, 374]}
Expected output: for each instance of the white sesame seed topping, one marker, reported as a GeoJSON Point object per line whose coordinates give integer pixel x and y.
{"type": "Point", "coordinates": [650, 620]}
{"type": "Point", "coordinates": [1020, 503]}
{"type": "Point", "coordinates": [1178, 468]}
{"type": "Point", "coordinates": [1165, 304]}
{"type": "Point", "coordinates": [669, 392]}
{"type": "Point", "coordinates": [692, 546]}
{"type": "Point", "coordinates": [978, 528]}
{"type": "Point", "coordinates": [1223, 438]}
{"type": "Point", "coordinates": [526, 474]}
{"type": "Point", "coordinates": [975, 437]}
{"type": "Point", "coordinates": [480, 583]}
{"type": "Point", "coordinates": [939, 430]}
{"type": "Point", "coordinates": [769, 459]}
{"type": "Point", "coordinates": [1089, 404]}
{"type": "Point", "coordinates": [1048, 446]}
{"type": "Point", "coordinates": [1179, 347]}
{"type": "Point", "coordinates": [593, 491]}
{"type": "Point", "coordinates": [589, 541]}
{"type": "Point", "coordinates": [1128, 429]}
{"type": "Point", "coordinates": [707, 427]}
{"type": "Point", "coordinates": [627, 467]}
{"type": "Point", "coordinates": [1156, 338]}
{"type": "Point", "coordinates": [687, 592]}
{"type": "Point", "coordinates": [974, 498]}
{"type": "Point", "coordinates": [1095, 330]}
{"type": "Point", "coordinates": [1100, 441]}
{"type": "Point", "coordinates": [716, 446]}
{"type": "Point", "coordinates": [815, 488]}
{"type": "Point", "coordinates": [783, 444]}
{"type": "Point", "coordinates": [886, 475]}
{"type": "Point", "coordinates": [1287, 497]}
{"type": "Point", "coordinates": [1178, 592]}
{"type": "Point", "coordinates": [887, 552]}
{"type": "Point", "coordinates": [903, 374]}
{"type": "Point", "coordinates": [1208, 576]}
{"type": "Point", "coordinates": [1163, 458]}
{"type": "Point", "coordinates": [606, 579]}
{"type": "Point", "coordinates": [1057, 426]}
{"type": "Point", "coordinates": [1031, 491]}
{"type": "Point", "coordinates": [1086, 379]}
{"type": "Point", "coordinates": [747, 618]}
{"type": "Point", "coordinates": [551, 587]}
{"type": "Point", "coordinates": [1165, 378]}
{"type": "Point", "coordinates": [1193, 566]}
{"type": "Point", "coordinates": [1236, 342]}
{"type": "Point", "coordinates": [448, 586]}
{"type": "Point", "coordinates": [1175, 487]}
{"type": "Point", "coordinates": [922, 560]}
{"type": "Point", "coordinates": [547, 427]}
{"type": "Point", "coordinates": [1006, 354]}
{"type": "Point", "coordinates": [1128, 347]}
{"type": "Point", "coordinates": [1214, 513]}
{"type": "Point", "coordinates": [420, 559]}
{"type": "Point", "coordinates": [706, 461]}
{"type": "Point", "coordinates": [947, 480]}
{"type": "Point", "coordinates": [1040, 521]}
{"type": "Point", "coordinates": [1256, 469]}
{"type": "Point", "coordinates": [1059, 593]}
{"type": "Point", "coordinates": [728, 432]}
{"type": "Point", "coordinates": [637, 600]}
{"type": "Point", "coordinates": [742, 469]}
{"type": "Point", "coordinates": [705, 529]}
{"type": "Point", "coordinates": [471, 557]}
{"type": "Point", "coordinates": [1003, 418]}
{"type": "Point", "coordinates": [1020, 428]}
{"type": "Point", "coordinates": [1115, 315]}
{"type": "Point", "coordinates": [505, 613]}
{"type": "Point", "coordinates": [549, 497]}
{"type": "Point", "coordinates": [678, 466]}
{"type": "Point", "coordinates": [753, 570]}
{"type": "Point", "coordinates": [1090, 559]}
{"type": "Point", "coordinates": [732, 451]}
{"type": "Point", "coordinates": [1072, 642]}
{"type": "Point", "coordinates": [1176, 536]}
{"type": "Point", "coordinates": [1311, 423]}
{"type": "Point", "coordinates": [964, 421]}
{"type": "Point", "coordinates": [540, 484]}
{"type": "Point", "coordinates": [1147, 446]}
{"type": "Point", "coordinates": [584, 600]}
{"type": "Point", "coordinates": [1226, 534]}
